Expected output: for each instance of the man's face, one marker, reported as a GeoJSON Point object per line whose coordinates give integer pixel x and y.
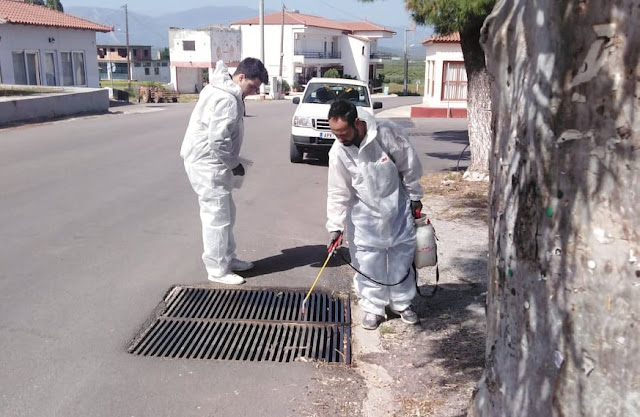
{"type": "Point", "coordinates": [249, 86]}
{"type": "Point", "coordinates": [345, 133]}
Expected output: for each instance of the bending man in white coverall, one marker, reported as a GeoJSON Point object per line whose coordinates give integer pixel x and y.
{"type": "Point", "coordinates": [210, 150]}
{"type": "Point", "coordinates": [373, 190]}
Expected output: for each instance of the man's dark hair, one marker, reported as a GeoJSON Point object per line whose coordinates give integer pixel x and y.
{"type": "Point", "coordinates": [344, 109]}
{"type": "Point", "coordinates": [253, 68]}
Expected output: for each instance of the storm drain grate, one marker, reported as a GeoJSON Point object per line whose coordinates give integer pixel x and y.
{"type": "Point", "coordinates": [249, 325]}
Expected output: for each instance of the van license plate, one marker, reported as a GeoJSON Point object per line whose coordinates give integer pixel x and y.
{"type": "Point", "coordinates": [327, 135]}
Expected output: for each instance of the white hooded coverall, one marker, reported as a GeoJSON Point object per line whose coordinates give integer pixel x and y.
{"type": "Point", "coordinates": [210, 150]}
{"type": "Point", "coordinates": [369, 192]}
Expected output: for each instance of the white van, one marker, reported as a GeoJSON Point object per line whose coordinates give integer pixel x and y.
{"type": "Point", "coordinates": [310, 126]}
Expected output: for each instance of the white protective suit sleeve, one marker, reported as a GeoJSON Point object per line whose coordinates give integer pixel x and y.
{"type": "Point", "coordinates": [339, 193]}
{"type": "Point", "coordinates": [222, 129]}
{"type": "Point", "coordinates": [404, 156]}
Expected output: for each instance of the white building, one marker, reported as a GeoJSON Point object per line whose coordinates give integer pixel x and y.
{"type": "Point", "coordinates": [41, 46]}
{"type": "Point", "coordinates": [311, 45]}
{"type": "Point", "coordinates": [194, 53]}
{"type": "Point", "coordinates": [445, 88]}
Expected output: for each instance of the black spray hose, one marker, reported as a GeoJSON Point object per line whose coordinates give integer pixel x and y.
{"type": "Point", "coordinates": [415, 273]}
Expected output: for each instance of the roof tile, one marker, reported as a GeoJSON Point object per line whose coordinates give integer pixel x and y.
{"type": "Point", "coordinates": [291, 18]}
{"type": "Point", "coordinates": [18, 12]}
{"type": "Point", "coordinates": [448, 38]}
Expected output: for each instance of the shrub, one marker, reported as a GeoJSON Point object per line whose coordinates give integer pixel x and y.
{"type": "Point", "coordinates": [285, 88]}
{"type": "Point", "coordinates": [331, 73]}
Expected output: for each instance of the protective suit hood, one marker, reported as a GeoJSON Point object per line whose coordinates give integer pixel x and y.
{"type": "Point", "coordinates": [372, 126]}
{"type": "Point", "coordinates": [216, 128]}
{"type": "Point", "coordinates": [221, 79]}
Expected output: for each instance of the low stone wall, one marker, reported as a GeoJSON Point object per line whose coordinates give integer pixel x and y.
{"type": "Point", "coordinates": [50, 102]}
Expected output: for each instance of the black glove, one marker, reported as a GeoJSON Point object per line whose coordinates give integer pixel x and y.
{"type": "Point", "coordinates": [416, 208]}
{"type": "Point", "coordinates": [239, 170]}
{"type": "Point", "coordinates": [335, 239]}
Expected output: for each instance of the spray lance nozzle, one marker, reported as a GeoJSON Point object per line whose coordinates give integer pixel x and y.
{"type": "Point", "coordinates": [331, 249]}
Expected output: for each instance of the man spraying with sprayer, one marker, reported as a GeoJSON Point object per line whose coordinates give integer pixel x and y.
{"type": "Point", "coordinates": [374, 193]}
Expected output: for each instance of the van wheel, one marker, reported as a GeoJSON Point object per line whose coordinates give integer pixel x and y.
{"type": "Point", "coordinates": [295, 154]}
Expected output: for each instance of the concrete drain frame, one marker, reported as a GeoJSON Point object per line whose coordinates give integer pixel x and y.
{"type": "Point", "coordinates": [248, 325]}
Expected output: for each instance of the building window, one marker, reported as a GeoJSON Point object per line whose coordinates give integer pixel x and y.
{"type": "Point", "coordinates": [137, 64]}
{"type": "Point", "coordinates": [430, 78]}
{"type": "Point", "coordinates": [26, 68]}
{"type": "Point", "coordinates": [146, 53]}
{"type": "Point", "coordinates": [164, 64]}
{"type": "Point", "coordinates": [73, 68]}
{"type": "Point", "coordinates": [50, 68]}
{"type": "Point", "coordinates": [146, 71]}
{"type": "Point", "coordinates": [454, 81]}
{"type": "Point", "coordinates": [188, 45]}
{"type": "Point", "coordinates": [156, 71]}
{"type": "Point", "coordinates": [122, 52]}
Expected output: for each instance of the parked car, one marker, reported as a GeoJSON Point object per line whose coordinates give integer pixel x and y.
{"type": "Point", "coordinates": [310, 130]}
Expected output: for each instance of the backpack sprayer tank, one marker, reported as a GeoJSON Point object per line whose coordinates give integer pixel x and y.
{"type": "Point", "coordinates": [426, 247]}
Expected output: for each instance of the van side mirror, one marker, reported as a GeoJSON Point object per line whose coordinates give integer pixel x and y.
{"type": "Point", "coordinates": [377, 105]}
{"type": "Point", "coordinates": [295, 100]}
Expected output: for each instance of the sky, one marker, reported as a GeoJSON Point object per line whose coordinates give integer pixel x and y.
{"type": "Point", "coordinates": [382, 12]}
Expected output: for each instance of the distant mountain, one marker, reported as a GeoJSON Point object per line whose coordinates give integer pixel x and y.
{"type": "Point", "coordinates": [154, 30]}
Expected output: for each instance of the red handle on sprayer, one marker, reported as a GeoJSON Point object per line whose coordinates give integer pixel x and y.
{"type": "Point", "coordinates": [335, 244]}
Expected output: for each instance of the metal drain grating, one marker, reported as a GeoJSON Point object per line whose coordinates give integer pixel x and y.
{"type": "Point", "coordinates": [249, 325]}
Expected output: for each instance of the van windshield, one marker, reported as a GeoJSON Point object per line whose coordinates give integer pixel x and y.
{"type": "Point", "coordinates": [327, 93]}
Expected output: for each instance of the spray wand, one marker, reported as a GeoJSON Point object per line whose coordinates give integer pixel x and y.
{"type": "Point", "coordinates": [332, 249]}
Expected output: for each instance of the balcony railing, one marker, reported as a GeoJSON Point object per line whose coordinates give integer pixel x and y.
{"type": "Point", "coordinates": [319, 55]}
{"type": "Point", "coordinates": [380, 55]}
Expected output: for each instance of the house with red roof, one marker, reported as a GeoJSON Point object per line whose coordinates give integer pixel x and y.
{"type": "Point", "coordinates": [41, 46]}
{"type": "Point", "coordinates": [445, 79]}
{"type": "Point", "coordinates": [311, 45]}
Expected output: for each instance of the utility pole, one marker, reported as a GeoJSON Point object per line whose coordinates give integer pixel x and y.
{"type": "Point", "coordinates": [406, 64]}
{"type": "Point", "coordinates": [281, 41]}
{"type": "Point", "coordinates": [261, 19]}
{"type": "Point", "coordinates": [126, 25]}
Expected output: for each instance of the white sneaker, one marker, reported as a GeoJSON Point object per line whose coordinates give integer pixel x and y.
{"type": "Point", "coordinates": [229, 278]}
{"type": "Point", "coordinates": [238, 265]}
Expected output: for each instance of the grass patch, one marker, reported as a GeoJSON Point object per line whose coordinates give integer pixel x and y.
{"type": "Point", "coordinates": [450, 197]}
{"type": "Point", "coordinates": [414, 407]}
{"type": "Point", "coordinates": [8, 92]}
{"type": "Point", "coordinates": [387, 330]}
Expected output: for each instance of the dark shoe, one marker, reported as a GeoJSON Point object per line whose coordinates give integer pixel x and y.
{"type": "Point", "coordinates": [371, 321]}
{"type": "Point", "coordinates": [408, 316]}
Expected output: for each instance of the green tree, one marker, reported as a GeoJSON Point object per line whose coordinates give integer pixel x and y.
{"type": "Point", "coordinates": [465, 17]}
{"type": "Point", "coordinates": [55, 5]}
{"type": "Point", "coordinates": [164, 53]}
{"type": "Point", "coordinates": [331, 73]}
{"type": "Point", "coordinates": [52, 4]}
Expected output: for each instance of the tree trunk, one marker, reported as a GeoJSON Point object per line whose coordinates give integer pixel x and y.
{"type": "Point", "coordinates": [478, 99]}
{"type": "Point", "coordinates": [564, 280]}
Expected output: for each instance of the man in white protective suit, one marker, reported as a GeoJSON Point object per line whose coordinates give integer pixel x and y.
{"type": "Point", "coordinates": [210, 150]}
{"type": "Point", "coordinates": [373, 191]}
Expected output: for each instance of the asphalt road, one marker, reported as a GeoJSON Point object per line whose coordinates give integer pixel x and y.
{"type": "Point", "coordinates": [98, 222]}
